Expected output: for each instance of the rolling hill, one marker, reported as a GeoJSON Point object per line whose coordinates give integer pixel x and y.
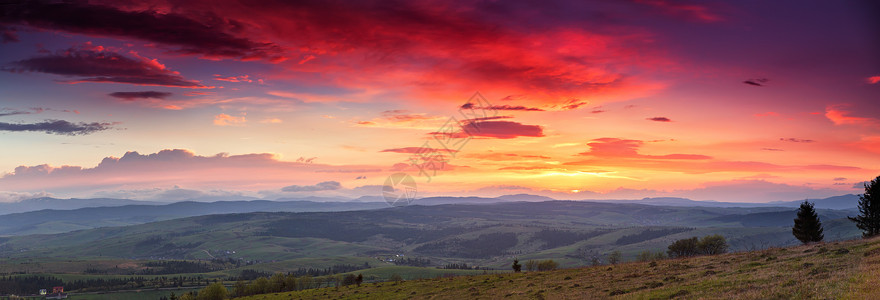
{"type": "Point", "coordinates": [50, 215]}
{"type": "Point", "coordinates": [485, 235]}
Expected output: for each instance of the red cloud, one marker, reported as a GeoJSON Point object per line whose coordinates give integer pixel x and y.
{"type": "Point", "coordinates": [836, 114]}
{"type": "Point", "coordinates": [470, 105]}
{"type": "Point", "coordinates": [441, 50]}
{"type": "Point", "coordinates": [242, 78]}
{"type": "Point", "coordinates": [502, 129]}
{"type": "Point", "coordinates": [873, 79]}
{"type": "Point", "coordinates": [614, 147]}
{"type": "Point", "coordinates": [188, 32]}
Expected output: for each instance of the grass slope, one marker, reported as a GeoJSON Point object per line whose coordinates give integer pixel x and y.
{"type": "Point", "coordinates": [840, 270]}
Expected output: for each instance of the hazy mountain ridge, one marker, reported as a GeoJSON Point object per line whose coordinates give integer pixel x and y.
{"type": "Point", "coordinates": [57, 221]}
{"type": "Point", "coordinates": [42, 203]}
{"type": "Point", "coordinates": [51, 215]}
{"type": "Point", "coordinates": [532, 229]}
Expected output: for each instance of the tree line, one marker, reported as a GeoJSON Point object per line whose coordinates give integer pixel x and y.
{"type": "Point", "coordinates": [32, 284]}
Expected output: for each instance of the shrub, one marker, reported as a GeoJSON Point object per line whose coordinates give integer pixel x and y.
{"type": "Point", "coordinates": [547, 265]}
{"type": "Point", "coordinates": [708, 245]}
{"type": "Point", "coordinates": [531, 265]}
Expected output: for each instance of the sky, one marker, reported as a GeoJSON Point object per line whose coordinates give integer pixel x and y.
{"type": "Point", "coordinates": [743, 101]}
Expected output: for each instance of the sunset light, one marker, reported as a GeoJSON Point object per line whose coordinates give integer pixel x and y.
{"type": "Point", "coordinates": [589, 100]}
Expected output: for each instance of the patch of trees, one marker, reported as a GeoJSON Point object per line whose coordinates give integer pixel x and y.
{"type": "Point", "coordinates": [178, 267]}
{"type": "Point", "coordinates": [460, 266]}
{"type": "Point", "coordinates": [28, 284]}
{"type": "Point", "coordinates": [708, 245]}
{"type": "Point", "coordinates": [553, 238]}
{"type": "Point", "coordinates": [484, 246]}
{"type": "Point", "coordinates": [335, 269]}
{"type": "Point", "coordinates": [648, 234]}
{"type": "Point", "coordinates": [868, 219]}
{"type": "Point", "coordinates": [543, 265]}
{"type": "Point", "coordinates": [32, 284]}
{"type": "Point", "coordinates": [414, 262]}
{"type": "Point", "coordinates": [250, 274]}
{"type": "Point", "coordinates": [647, 255]}
{"type": "Point", "coordinates": [159, 246]}
{"type": "Point", "coordinates": [278, 283]}
{"type": "Point", "coordinates": [94, 271]}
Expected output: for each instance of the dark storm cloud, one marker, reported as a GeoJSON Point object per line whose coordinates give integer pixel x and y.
{"type": "Point", "coordinates": [140, 95]}
{"type": "Point", "coordinates": [89, 65]}
{"type": "Point", "coordinates": [57, 127]}
{"type": "Point", "coordinates": [212, 37]}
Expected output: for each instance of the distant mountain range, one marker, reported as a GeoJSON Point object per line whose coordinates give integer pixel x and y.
{"type": "Point", "coordinates": [66, 204]}
{"type": "Point", "coordinates": [50, 215]}
{"type": "Point", "coordinates": [850, 201]}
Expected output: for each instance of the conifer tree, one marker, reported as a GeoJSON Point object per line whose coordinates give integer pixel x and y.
{"type": "Point", "coordinates": [516, 266]}
{"type": "Point", "coordinates": [807, 227]}
{"type": "Point", "coordinates": [868, 219]}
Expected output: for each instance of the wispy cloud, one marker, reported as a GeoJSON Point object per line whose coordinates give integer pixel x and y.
{"type": "Point", "coordinates": [227, 120]}
{"type": "Point", "coordinates": [839, 116]}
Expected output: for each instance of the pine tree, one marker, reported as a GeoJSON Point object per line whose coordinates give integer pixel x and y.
{"type": "Point", "coordinates": [868, 219]}
{"type": "Point", "coordinates": [516, 266]}
{"type": "Point", "coordinates": [807, 227]}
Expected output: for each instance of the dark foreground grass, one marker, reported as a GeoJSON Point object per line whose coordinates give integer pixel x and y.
{"type": "Point", "coordinates": [840, 270]}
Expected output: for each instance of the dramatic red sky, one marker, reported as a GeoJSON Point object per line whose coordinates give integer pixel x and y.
{"type": "Point", "coordinates": [712, 100]}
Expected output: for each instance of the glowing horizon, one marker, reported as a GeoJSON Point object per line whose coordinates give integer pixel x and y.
{"type": "Point", "coordinates": [716, 100]}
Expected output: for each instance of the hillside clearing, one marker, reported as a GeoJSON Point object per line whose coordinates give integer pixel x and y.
{"type": "Point", "coordinates": [839, 270]}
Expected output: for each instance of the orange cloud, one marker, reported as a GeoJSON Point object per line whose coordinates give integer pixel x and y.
{"type": "Point", "coordinates": [614, 147]}
{"type": "Point", "coordinates": [227, 120]}
{"type": "Point", "coordinates": [836, 114]}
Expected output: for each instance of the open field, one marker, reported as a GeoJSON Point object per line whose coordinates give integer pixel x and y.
{"type": "Point", "coordinates": [838, 270]}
